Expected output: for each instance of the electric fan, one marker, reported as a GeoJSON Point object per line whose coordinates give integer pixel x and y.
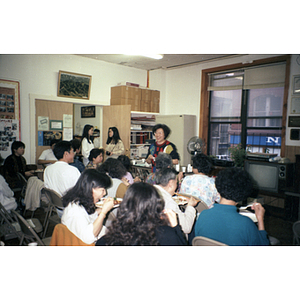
{"type": "Point", "coordinates": [195, 145]}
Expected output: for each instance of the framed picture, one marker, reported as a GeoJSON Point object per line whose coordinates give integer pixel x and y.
{"type": "Point", "coordinates": [296, 85]}
{"type": "Point", "coordinates": [56, 125]}
{"type": "Point", "coordinates": [74, 85]}
{"type": "Point", "coordinates": [88, 112]}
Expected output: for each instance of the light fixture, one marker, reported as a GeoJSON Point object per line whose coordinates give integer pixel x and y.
{"type": "Point", "coordinates": [154, 56]}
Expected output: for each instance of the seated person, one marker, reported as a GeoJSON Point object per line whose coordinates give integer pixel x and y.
{"type": "Point", "coordinates": [76, 145]}
{"type": "Point", "coordinates": [163, 160]}
{"type": "Point", "coordinates": [124, 159]}
{"type": "Point", "coordinates": [47, 157]}
{"type": "Point", "coordinates": [95, 158]}
{"type": "Point", "coordinates": [16, 163]}
{"type": "Point", "coordinates": [60, 176]}
{"type": "Point", "coordinates": [7, 195]}
{"type": "Point", "coordinates": [116, 171]}
{"type": "Point", "coordinates": [80, 214]}
{"type": "Point", "coordinates": [142, 220]}
{"type": "Point", "coordinates": [166, 184]}
{"type": "Point", "coordinates": [199, 184]}
{"type": "Point", "coordinates": [223, 222]}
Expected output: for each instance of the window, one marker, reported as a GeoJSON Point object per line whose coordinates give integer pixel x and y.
{"type": "Point", "coordinates": [246, 107]}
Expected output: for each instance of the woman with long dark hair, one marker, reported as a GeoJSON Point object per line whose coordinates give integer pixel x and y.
{"type": "Point", "coordinates": [80, 215]}
{"type": "Point", "coordinates": [87, 142]}
{"type": "Point", "coordinates": [114, 144]}
{"type": "Point", "coordinates": [143, 221]}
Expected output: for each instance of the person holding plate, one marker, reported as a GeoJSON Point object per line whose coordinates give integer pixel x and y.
{"type": "Point", "coordinates": [81, 216]}
{"type": "Point", "coordinates": [161, 133]}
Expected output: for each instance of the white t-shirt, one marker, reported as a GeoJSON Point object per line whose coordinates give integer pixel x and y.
{"type": "Point", "coordinates": [80, 223]}
{"type": "Point", "coordinates": [47, 155]}
{"type": "Point", "coordinates": [60, 177]}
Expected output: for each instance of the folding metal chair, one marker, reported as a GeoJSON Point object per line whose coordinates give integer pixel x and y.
{"type": "Point", "coordinates": [55, 201]}
{"type": "Point", "coordinates": [296, 233]}
{"type": "Point", "coordinates": [29, 234]}
{"type": "Point", "coordinates": [204, 241]}
{"type": "Point", "coordinates": [9, 227]}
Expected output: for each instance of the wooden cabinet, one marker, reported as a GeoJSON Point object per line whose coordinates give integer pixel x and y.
{"type": "Point", "coordinates": [140, 99]}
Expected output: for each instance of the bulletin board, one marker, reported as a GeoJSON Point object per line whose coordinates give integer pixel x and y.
{"type": "Point", "coordinates": [10, 129]}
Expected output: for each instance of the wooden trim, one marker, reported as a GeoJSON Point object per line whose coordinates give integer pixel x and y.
{"type": "Point", "coordinates": [204, 100]}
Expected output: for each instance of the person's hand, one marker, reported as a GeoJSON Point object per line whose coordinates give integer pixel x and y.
{"type": "Point", "coordinates": [108, 204]}
{"type": "Point", "coordinates": [125, 181]}
{"type": "Point", "coordinates": [171, 217]}
{"type": "Point", "coordinates": [29, 173]}
{"type": "Point", "coordinates": [259, 210]}
{"type": "Point", "coordinates": [137, 179]}
{"type": "Point", "coordinates": [179, 176]}
{"type": "Point", "coordinates": [149, 158]}
{"type": "Point", "coordinates": [192, 202]}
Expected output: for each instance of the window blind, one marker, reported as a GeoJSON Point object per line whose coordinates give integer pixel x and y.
{"type": "Point", "coordinates": [264, 77]}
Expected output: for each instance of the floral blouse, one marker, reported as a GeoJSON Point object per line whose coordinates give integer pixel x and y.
{"type": "Point", "coordinates": [202, 187]}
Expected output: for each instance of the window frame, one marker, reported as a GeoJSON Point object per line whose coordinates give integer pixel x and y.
{"type": "Point", "coordinates": [204, 97]}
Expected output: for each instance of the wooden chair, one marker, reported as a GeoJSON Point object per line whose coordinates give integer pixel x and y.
{"type": "Point", "coordinates": [62, 236]}
{"type": "Point", "coordinates": [204, 241]}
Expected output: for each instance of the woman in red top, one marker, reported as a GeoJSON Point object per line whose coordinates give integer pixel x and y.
{"type": "Point", "coordinates": [161, 132]}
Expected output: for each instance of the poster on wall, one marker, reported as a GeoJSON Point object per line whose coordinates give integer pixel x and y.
{"type": "Point", "coordinates": [10, 101]}
{"type": "Point", "coordinates": [43, 123]}
{"type": "Point", "coordinates": [9, 132]}
{"type": "Point", "coordinates": [45, 137]}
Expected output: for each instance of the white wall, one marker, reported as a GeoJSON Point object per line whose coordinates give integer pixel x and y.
{"type": "Point", "coordinates": [38, 75]}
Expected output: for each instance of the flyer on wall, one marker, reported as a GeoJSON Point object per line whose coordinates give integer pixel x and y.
{"type": "Point", "coordinates": [9, 132]}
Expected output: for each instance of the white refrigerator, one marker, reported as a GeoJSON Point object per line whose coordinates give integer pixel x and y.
{"type": "Point", "coordinates": [183, 128]}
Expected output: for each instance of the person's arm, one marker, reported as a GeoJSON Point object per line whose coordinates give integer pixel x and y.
{"type": "Point", "coordinates": [119, 148]}
{"type": "Point", "coordinates": [45, 162]}
{"type": "Point", "coordinates": [98, 223]}
{"type": "Point", "coordinates": [259, 212]}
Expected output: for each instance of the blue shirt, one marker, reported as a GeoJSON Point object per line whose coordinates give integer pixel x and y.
{"type": "Point", "coordinates": [223, 223]}
{"type": "Point", "coordinates": [78, 164]}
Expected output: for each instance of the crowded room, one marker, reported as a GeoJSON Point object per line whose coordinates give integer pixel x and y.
{"type": "Point", "coordinates": [173, 150]}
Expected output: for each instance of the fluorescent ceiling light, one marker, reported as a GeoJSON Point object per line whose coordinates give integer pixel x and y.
{"type": "Point", "coordinates": [154, 56]}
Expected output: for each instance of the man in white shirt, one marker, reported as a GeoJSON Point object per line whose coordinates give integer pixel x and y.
{"type": "Point", "coordinates": [47, 157]}
{"type": "Point", "coordinates": [60, 176]}
{"type": "Point", "coordinates": [166, 184]}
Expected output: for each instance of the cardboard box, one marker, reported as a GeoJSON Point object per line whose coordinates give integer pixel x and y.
{"type": "Point", "coordinates": [146, 94]}
{"type": "Point", "coordinates": [155, 106]}
{"type": "Point", "coordinates": [145, 106]}
{"type": "Point", "coordinates": [135, 103]}
{"type": "Point", "coordinates": [122, 91]}
{"type": "Point", "coordinates": [155, 100]}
